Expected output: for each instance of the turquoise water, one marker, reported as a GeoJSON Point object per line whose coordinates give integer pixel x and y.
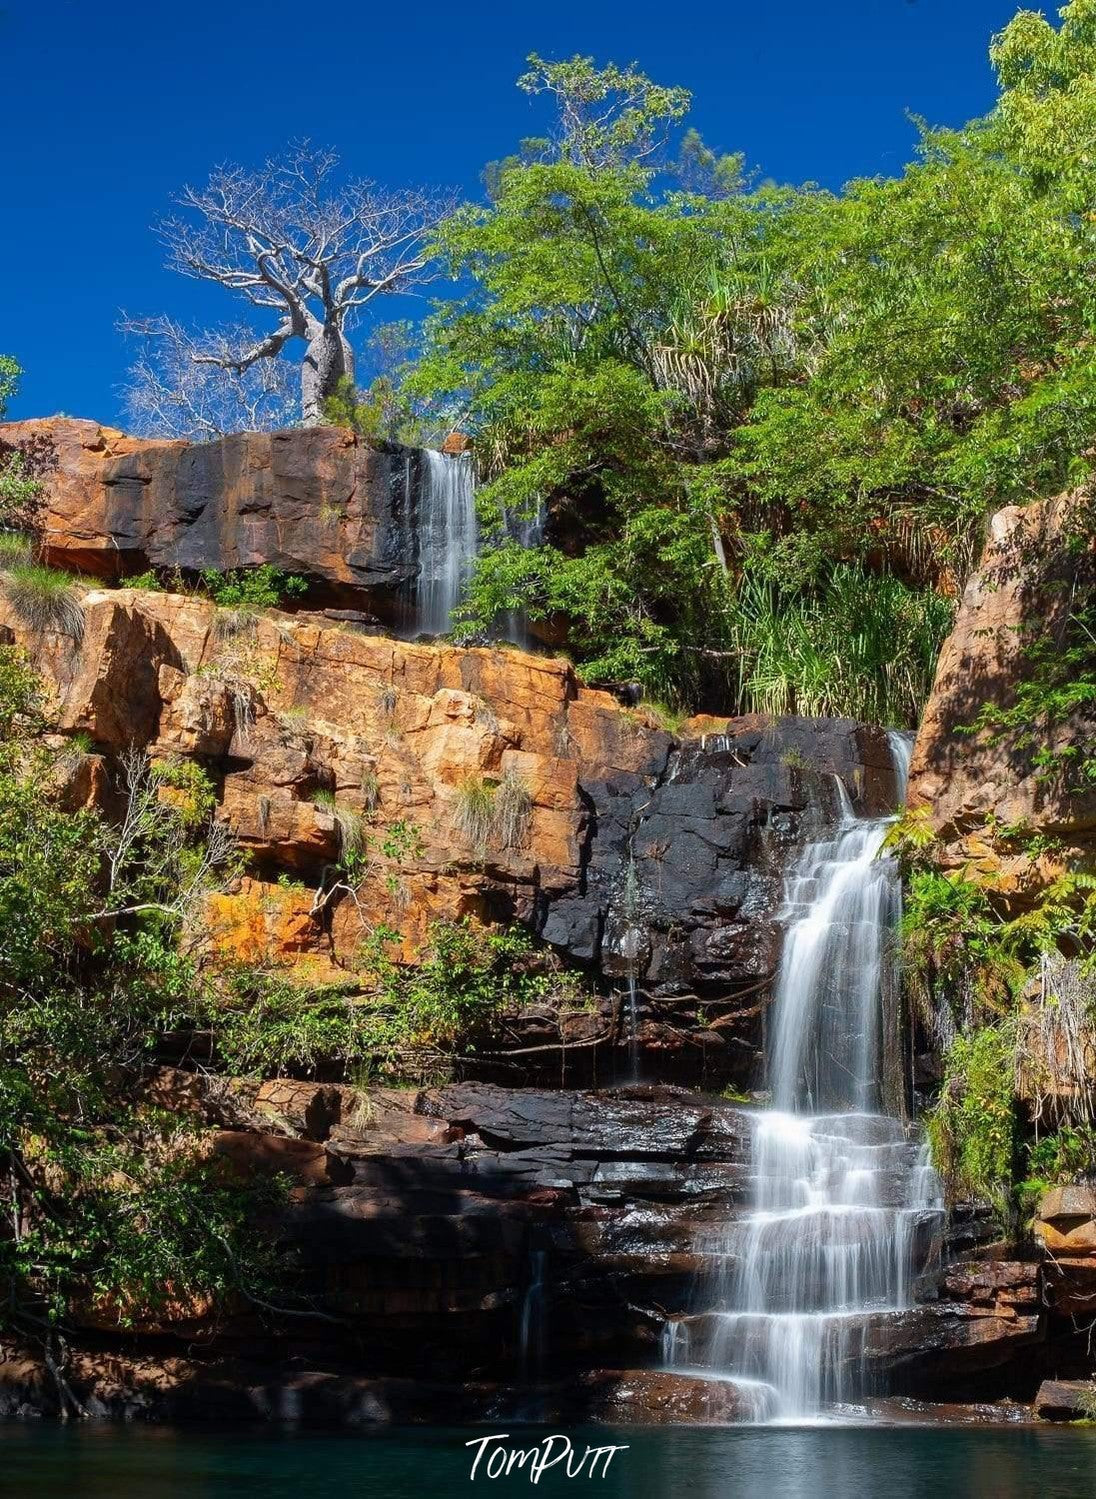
{"type": "Point", "coordinates": [97, 1461]}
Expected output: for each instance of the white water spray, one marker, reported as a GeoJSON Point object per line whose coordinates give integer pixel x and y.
{"type": "Point", "coordinates": [446, 516]}
{"type": "Point", "coordinates": [840, 1199]}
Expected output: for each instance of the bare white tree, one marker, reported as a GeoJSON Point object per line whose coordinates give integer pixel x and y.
{"type": "Point", "coordinates": [292, 239]}
{"type": "Point", "coordinates": [144, 852]}
{"type": "Point", "coordinates": [173, 389]}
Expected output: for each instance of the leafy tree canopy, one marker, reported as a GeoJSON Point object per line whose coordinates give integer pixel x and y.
{"type": "Point", "coordinates": [702, 387]}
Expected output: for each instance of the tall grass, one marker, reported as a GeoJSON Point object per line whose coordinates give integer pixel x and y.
{"type": "Point", "coordinates": [856, 645]}
{"type": "Point", "coordinates": [43, 599]}
{"type": "Point", "coordinates": [16, 549]}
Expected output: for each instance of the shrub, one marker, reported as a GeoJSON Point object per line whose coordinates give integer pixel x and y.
{"type": "Point", "coordinates": [147, 580]}
{"type": "Point", "coordinates": [195, 799]}
{"type": "Point", "coordinates": [856, 644]}
{"type": "Point", "coordinates": [20, 487]}
{"type": "Point", "coordinates": [244, 590]}
{"type": "Point", "coordinates": [44, 599]}
{"type": "Point", "coordinates": [260, 588]}
{"type": "Point", "coordinates": [973, 1130]}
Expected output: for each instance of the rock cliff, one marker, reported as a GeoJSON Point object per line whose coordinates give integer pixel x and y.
{"type": "Point", "coordinates": [1038, 567]}
{"type": "Point", "coordinates": [640, 857]}
{"type": "Point", "coordinates": [314, 501]}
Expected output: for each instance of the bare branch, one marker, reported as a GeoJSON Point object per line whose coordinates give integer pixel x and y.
{"type": "Point", "coordinates": [201, 386]}
{"type": "Point", "coordinates": [292, 238]}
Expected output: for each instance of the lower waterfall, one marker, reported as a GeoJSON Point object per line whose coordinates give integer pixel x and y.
{"type": "Point", "coordinates": [842, 1198]}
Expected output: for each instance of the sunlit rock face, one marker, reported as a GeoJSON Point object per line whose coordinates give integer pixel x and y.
{"type": "Point", "coordinates": [1035, 570]}
{"type": "Point", "coordinates": [651, 862]}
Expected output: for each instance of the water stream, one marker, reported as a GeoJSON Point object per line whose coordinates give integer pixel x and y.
{"type": "Point", "coordinates": [840, 1193]}
{"type": "Point", "coordinates": [446, 517]}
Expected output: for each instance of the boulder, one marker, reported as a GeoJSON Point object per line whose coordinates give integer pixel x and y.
{"type": "Point", "coordinates": [1065, 1225]}
{"type": "Point", "coordinates": [1066, 1400]}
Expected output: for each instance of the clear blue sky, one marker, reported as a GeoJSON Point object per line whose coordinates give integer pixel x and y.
{"type": "Point", "coordinates": [110, 105]}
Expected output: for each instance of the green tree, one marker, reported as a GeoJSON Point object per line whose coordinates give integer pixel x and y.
{"type": "Point", "coordinates": [704, 387]}
{"type": "Point", "coordinates": [109, 1207]}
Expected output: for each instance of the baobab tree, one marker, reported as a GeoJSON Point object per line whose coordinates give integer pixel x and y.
{"type": "Point", "coordinates": [291, 239]}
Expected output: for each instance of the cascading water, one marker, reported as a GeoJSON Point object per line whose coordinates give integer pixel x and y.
{"type": "Point", "coordinates": [841, 1199]}
{"type": "Point", "coordinates": [532, 1331]}
{"type": "Point", "coordinates": [447, 539]}
{"type": "Point", "coordinates": [446, 517]}
{"type": "Point", "coordinates": [527, 533]}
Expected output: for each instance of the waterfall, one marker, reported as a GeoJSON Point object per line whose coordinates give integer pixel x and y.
{"type": "Point", "coordinates": [527, 533]}
{"type": "Point", "coordinates": [841, 1196]}
{"type": "Point", "coordinates": [447, 538]}
{"type": "Point", "coordinates": [901, 749]}
{"type": "Point", "coordinates": [446, 519]}
{"type": "Point", "coordinates": [532, 1331]}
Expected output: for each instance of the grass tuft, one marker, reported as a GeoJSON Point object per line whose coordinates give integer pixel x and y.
{"type": "Point", "coordinates": [512, 811]}
{"type": "Point", "coordinates": [350, 824]}
{"type": "Point", "coordinates": [44, 599]}
{"type": "Point", "coordinates": [16, 550]}
{"type": "Point", "coordinates": [475, 813]}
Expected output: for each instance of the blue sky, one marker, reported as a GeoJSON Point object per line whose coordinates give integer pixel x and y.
{"type": "Point", "coordinates": [109, 107]}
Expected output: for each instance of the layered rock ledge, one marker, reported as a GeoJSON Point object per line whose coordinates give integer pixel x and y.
{"type": "Point", "coordinates": [314, 501]}
{"type": "Point", "coordinates": [523, 1246]}
{"type": "Point", "coordinates": [642, 857]}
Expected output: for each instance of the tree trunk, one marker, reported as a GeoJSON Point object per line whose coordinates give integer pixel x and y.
{"type": "Point", "coordinates": [327, 359]}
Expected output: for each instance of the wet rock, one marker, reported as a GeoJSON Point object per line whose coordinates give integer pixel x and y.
{"type": "Point", "coordinates": [654, 1397]}
{"type": "Point", "coordinates": [948, 1341]}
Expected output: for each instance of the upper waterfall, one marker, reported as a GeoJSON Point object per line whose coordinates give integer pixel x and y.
{"type": "Point", "coordinates": [447, 534]}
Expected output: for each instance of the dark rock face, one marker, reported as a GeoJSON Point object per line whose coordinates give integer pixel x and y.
{"type": "Point", "coordinates": [474, 1251]}
{"type": "Point", "coordinates": [432, 1245]}
{"type": "Point", "coordinates": [317, 502]}
{"type": "Point", "coordinates": [681, 880]}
